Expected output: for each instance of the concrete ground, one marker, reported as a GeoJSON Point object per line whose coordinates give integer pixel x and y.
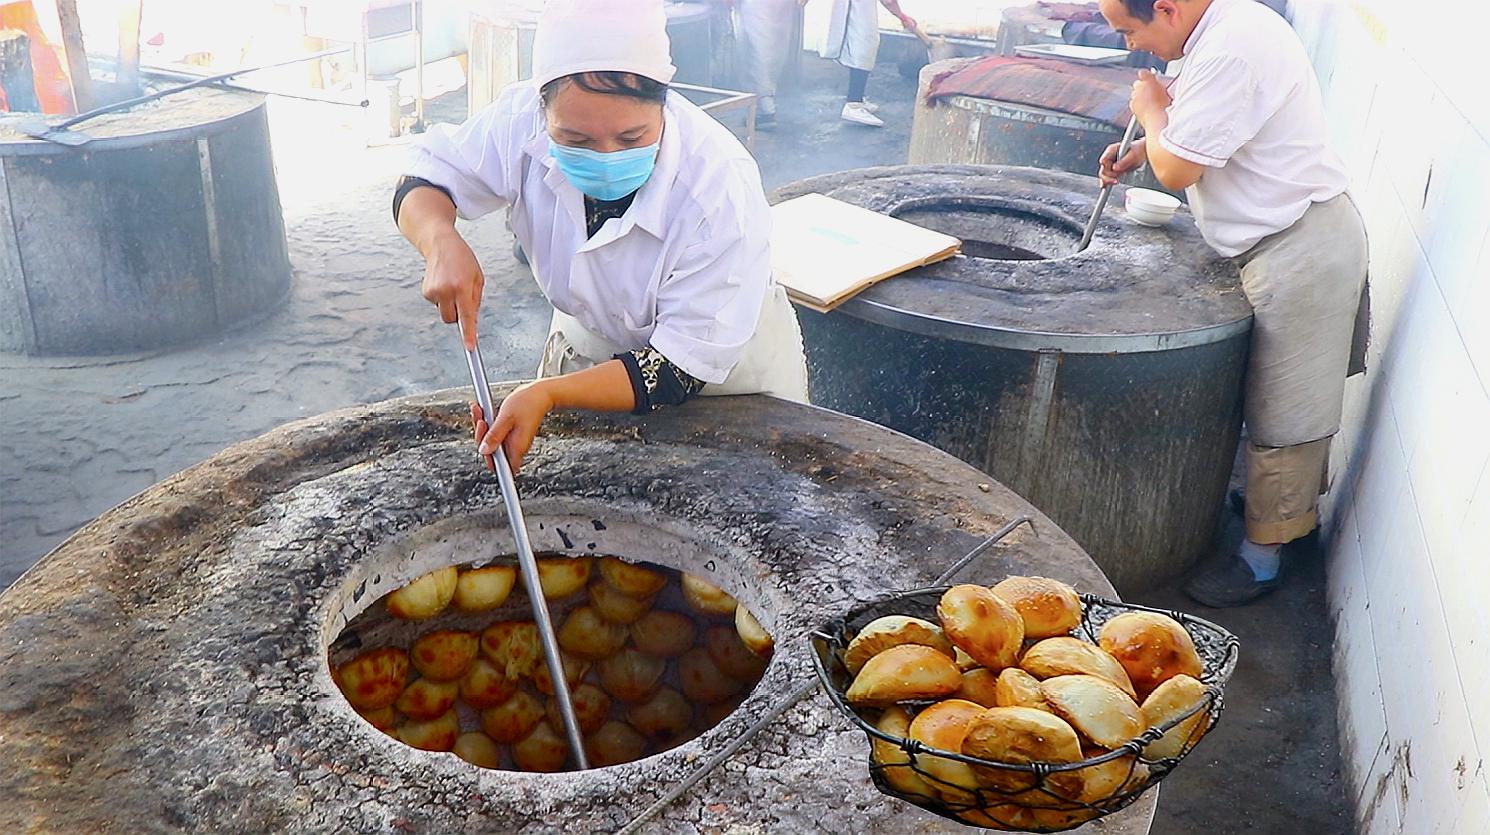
{"type": "Point", "coordinates": [77, 436]}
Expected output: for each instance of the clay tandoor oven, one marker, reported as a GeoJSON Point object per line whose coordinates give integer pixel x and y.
{"type": "Point", "coordinates": [1103, 386]}
{"type": "Point", "coordinates": [165, 669]}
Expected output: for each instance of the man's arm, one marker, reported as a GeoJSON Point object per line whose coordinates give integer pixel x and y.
{"type": "Point", "coordinates": [1150, 102]}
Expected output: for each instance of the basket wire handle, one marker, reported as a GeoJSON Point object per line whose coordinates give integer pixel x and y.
{"type": "Point", "coordinates": [802, 691]}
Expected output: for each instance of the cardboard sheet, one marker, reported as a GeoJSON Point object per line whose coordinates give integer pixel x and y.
{"type": "Point", "coordinates": [823, 251]}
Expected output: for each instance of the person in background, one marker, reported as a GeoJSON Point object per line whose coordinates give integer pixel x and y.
{"type": "Point", "coordinates": [765, 30]}
{"type": "Point", "coordinates": [1242, 131]}
{"type": "Point", "coordinates": [853, 40]}
{"type": "Point", "coordinates": [644, 220]}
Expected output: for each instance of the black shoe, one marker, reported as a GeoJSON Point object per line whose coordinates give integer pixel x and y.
{"type": "Point", "coordinates": [1229, 582]}
{"type": "Point", "coordinates": [1238, 500]}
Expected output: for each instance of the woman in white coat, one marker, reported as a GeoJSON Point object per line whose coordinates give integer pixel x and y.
{"type": "Point", "coordinates": [643, 218]}
{"type": "Point", "coordinates": [853, 40]}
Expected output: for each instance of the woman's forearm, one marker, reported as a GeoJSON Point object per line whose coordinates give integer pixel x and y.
{"type": "Point", "coordinates": [426, 215]}
{"type": "Point", "coordinates": [602, 388]}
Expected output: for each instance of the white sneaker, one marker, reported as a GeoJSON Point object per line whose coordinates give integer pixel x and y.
{"type": "Point", "coordinates": [871, 106]}
{"type": "Point", "coordinates": [857, 113]}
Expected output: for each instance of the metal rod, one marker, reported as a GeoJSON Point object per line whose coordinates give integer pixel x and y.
{"type": "Point", "coordinates": [1091, 225]}
{"type": "Point", "coordinates": [984, 546]}
{"type": "Point", "coordinates": [200, 82]}
{"type": "Point", "coordinates": [529, 565]}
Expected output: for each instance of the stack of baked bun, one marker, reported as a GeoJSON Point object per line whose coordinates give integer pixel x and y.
{"type": "Point", "coordinates": [653, 658]}
{"type": "Point", "coordinates": [1004, 678]}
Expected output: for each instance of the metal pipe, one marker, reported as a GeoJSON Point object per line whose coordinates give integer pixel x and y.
{"type": "Point", "coordinates": [200, 82]}
{"type": "Point", "coordinates": [1091, 225]}
{"type": "Point", "coordinates": [529, 565]}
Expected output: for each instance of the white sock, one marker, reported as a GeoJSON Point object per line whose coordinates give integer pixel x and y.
{"type": "Point", "coordinates": [1263, 559]}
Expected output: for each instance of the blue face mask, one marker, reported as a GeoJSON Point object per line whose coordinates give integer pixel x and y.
{"type": "Point", "coordinates": [605, 176]}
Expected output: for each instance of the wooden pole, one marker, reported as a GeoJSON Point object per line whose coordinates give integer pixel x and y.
{"type": "Point", "coordinates": [77, 59]}
{"type": "Point", "coordinates": [128, 73]}
{"type": "Point", "coordinates": [17, 81]}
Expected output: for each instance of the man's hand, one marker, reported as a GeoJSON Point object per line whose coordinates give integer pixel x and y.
{"type": "Point", "coordinates": [1111, 169]}
{"type": "Point", "coordinates": [453, 282]}
{"type": "Point", "coordinates": [909, 23]}
{"type": "Point", "coordinates": [518, 419]}
{"type": "Point", "coordinates": [1150, 97]}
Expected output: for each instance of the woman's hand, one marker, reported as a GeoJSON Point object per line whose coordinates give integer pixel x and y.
{"type": "Point", "coordinates": [518, 419]}
{"type": "Point", "coordinates": [453, 282]}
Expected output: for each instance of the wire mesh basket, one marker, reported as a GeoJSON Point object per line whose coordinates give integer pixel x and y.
{"type": "Point", "coordinates": [1033, 797]}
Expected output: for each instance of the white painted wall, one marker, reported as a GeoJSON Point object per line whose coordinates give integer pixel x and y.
{"type": "Point", "coordinates": [1407, 87]}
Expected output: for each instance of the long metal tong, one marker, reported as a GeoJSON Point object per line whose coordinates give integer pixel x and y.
{"type": "Point", "coordinates": [528, 564]}
{"type": "Point", "coordinates": [1091, 225]}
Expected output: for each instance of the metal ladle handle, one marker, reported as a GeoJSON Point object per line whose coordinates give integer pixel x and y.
{"type": "Point", "coordinates": [528, 565]}
{"type": "Point", "coordinates": [1091, 225]}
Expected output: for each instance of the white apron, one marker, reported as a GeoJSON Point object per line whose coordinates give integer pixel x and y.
{"type": "Point", "coordinates": [773, 362]}
{"type": "Point", "coordinates": [853, 38]}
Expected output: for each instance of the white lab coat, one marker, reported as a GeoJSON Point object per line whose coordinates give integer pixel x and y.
{"type": "Point", "coordinates": [765, 34]}
{"type": "Point", "coordinates": [686, 270]}
{"type": "Point", "coordinates": [852, 36]}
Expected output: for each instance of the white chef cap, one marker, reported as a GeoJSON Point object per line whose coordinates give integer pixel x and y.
{"type": "Point", "coordinates": [576, 36]}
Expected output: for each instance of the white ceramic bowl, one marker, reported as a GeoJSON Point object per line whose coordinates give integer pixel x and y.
{"type": "Point", "coordinates": [1149, 207]}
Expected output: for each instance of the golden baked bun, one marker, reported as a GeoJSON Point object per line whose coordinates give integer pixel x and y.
{"type": "Point", "coordinates": [383, 718]}
{"type": "Point", "coordinates": [1030, 818]}
{"type": "Point", "coordinates": [513, 647]}
{"type": "Point", "coordinates": [426, 597]}
{"type": "Point", "coordinates": [982, 624]}
{"type": "Point", "coordinates": [574, 670]}
{"type": "Point", "coordinates": [485, 686]}
{"type": "Point", "coordinates": [730, 654]}
{"type": "Point", "coordinates": [1017, 688]}
{"type": "Point", "coordinates": [1073, 656]}
{"type": "Point", "coordinates": [1019, 736]}
{"type": "Point", "coordinates": [485, 588]}
{"type": "Point", "coordinates": [375, 678]}
{"type": "Point", "coordinates": [444, 654]}
{"type": "Point", "coordinates": [586, 634]}
{"type": "Point", "coordinates": [426, 698]}
{"type": "Point", "coordinates": [662, 717]}
{"type": "Point", "coordinates": [632, 579]}
{"type": "Point", "coordinates": [615, 743]}
{"type": "Point", "coordinates": [1169, 701]}
{"type": "Point", "coordinates": [706, 598]}
{"type": "Point", "coordinates": [964, 661]}
{"type": "Point", "coordinates": [943, 726]}
{"type": "Point", "coordinates": [438, 734]}
{"type": "Point", "coordinates": [663, 633]}
{"type": "Point", "coordinates": [478, 749]}
{"type": "Point", "coordinates": [752, 633]}
{"type": "Point", "coordinates": [1152, 648]}
{"type": "Point", "coordinates": [591, 709]}
{"type": "Point", "coordinates": [513, 719]}
{"type": "Point", "coordinates": [615, 606]}
{"type": "Point", "coordinates": [543, 749]}
{"type": "Point", "coordinates": [1095, 707]}
{"type": "Point", "coordinates": [563, 576]}
{"type": "Point", "coordinates": [979, 686]}
{"type": "Point", "coordinates": [891, 631]}
{"type": "Point", "coordinates": [902, 673]}
{"type": "Point", "coordinates": [1049, 607]}
{"type": "Point", "coordinates": [631, 675]}
{"type": "Point", "coordinates": [702, 680]}
{"type": "Point", "coordinates": [897, 769]}
{"type": "Point", "coordinates": [1104, 780]}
